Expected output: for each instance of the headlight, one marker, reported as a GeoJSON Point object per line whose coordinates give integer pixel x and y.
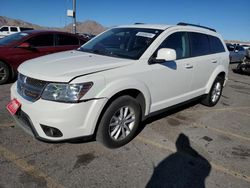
{"type": "Point", "coordinates": [65, 92]}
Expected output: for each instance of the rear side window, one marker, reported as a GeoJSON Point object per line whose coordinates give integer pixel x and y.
{"type": "Point", "coordinates": [13, 29]}
{"type": "Point", "coordinates": [179, 42]}
{"type": "Point", "coordinates": [199, 44]}
{"type": "Point", "coordinates": [62, 40]}
{"type": "Point", "coordinates": [215, 45]}
{"type": "Point", "coordinates": [42, 40]}
{"type": "Point", "coordinates": [25, 28]}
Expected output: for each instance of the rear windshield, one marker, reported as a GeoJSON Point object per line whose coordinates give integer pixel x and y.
{"type": "Point", "coordinates": [12, 38]}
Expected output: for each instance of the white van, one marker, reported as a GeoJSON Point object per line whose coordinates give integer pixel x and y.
{"type": "Point", "coordinates": [116, 80]}
{"type": "Point", "coordinates": [8, 30]}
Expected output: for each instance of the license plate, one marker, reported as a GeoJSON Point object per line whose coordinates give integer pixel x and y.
{"type": "Point", "coordinates": [13, 106]}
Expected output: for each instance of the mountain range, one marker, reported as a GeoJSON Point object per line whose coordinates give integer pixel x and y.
{"type": "Point", "coordinates": [89, 26]}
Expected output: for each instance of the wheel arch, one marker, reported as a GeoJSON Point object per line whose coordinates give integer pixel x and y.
{"type": "Point", "coordinates": [219, 71]}
{"type": "Point", "coordinates": [12, 72]}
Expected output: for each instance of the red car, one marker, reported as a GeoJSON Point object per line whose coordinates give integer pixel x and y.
{"type": "Point", "coordinates": [19, 47]}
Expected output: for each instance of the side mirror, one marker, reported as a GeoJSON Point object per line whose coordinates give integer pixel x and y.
{"type": "Point", "coordinates": [25, 45]}
{"type": "Point", "coordinates": [166, 54]}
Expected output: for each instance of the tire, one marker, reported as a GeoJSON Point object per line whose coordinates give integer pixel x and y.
{"type": "Point", "coordinates": [119, 123]}
{"type": "Point", "coordinates": [214, 94]}
{"type": "Point", "coordinates": [4, 73]}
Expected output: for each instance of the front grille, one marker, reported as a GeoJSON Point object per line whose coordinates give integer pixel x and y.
{"type": "Point", "coordinates": [30, 88]}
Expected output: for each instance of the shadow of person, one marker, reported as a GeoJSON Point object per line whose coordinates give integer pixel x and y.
{"type": "Point", "coordinates": [184, 169]}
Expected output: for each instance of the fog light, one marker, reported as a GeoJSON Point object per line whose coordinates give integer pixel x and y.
{"type": "Point", "coordinates": [51, 131]}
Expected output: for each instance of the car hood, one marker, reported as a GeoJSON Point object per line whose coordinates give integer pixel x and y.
{"type": "Point", "coordinates": [64, 66]}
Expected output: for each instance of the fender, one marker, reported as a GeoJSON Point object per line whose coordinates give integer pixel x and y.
{"type": "Point", "coordinates": [117, 86]}
{"type": "Point", "coordinates": [219, 69]}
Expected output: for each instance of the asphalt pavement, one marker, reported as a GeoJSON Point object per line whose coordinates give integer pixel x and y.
{"type": "Point", "coordinates": [191, 146]}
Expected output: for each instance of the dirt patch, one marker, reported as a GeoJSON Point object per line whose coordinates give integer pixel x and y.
{"type": "Point", "coordinates": [31, 181]}
{"type": "Point", "coordinates": [84, 160]}
{"type": "Point", "coordinates": [173, 122]}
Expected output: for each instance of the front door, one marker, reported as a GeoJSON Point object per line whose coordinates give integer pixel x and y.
{"type": "Point", "coordinates": [171, 81]}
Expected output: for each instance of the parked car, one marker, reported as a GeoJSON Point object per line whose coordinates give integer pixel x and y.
{"type": "Point", "coordinates": [113, 82]}
{"type": "Point", "coordinates": [8, 30]}
{"type": "Point", "coordinates": [245, 46]}
{"type": "Point", "coordinates": [236, 53]}
{"type": "Point", "coordinates": [19, 47]}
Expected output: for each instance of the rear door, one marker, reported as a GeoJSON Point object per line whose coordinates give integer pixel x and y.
{"type": "Point", "coordinates": [205, 52]}
{"type": "Point", "coordinates": [13, 30]}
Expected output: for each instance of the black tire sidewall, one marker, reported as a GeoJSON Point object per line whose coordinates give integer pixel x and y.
{"type": "Point", "coordinates": [7, 72]}
{"type": "Point", "coordinates": [103, 135]}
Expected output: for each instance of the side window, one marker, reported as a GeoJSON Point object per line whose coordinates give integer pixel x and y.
{"type": "Point", "coordinates": [66, 40]}
{"type": "Point", "coordinates": [42, 40]}
{"type": "Point", "coordinates": [4, 29]}
{"type": "Point", "coordinates": [215, 45]}
{"type": "Point", "coordinates": [199, 44]}
{"type": "Point", "coordinates": [13, 29]}
{"type": "Point", "coordinates": [179, 42]}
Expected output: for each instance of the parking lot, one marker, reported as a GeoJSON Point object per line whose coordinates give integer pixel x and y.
{"type": "Point", "coordinates": [191, 146]}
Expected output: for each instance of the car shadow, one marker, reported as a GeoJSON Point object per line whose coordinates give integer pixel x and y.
{"type": "Point", "coordinates": [182, 169]}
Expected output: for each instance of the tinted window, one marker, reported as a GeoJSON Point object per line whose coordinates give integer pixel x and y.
{"type": "Point", "coordinates": [13, 38]}
{"type": "Point", "coordinates": [13, 29]}
{"type": "Point", "coordinates": [66, 40]}
{"type": "Point", "coordinates": [25, 28]}
{"type": "Point", "coordinates": [199, 44]}
{"type": "Point", "coordinates": [4, 29]}
{"type": "Point", "coordinates": [215, 45]}
{"type": "Point", "coordinates": [179, 42]}
{"type": "Point", "coordinates": [230, 47]}
{"type": "Point", "coordinates": [42, 40]}
{"type": "Point", "coordinates": [239, 48]}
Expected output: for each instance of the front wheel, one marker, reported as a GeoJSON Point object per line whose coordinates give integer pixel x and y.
{"type": "Point", "coordinates": [214, 95]}
{"type": "Point", "coordinates": [119, 123]}
{"type": "Point", "coordinates": [4, 73]}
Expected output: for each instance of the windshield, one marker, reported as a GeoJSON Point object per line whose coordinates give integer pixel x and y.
{"type": "Point", "coordinates": [128, 43]}
{"type": "Point", "coordinates": [12, 38]}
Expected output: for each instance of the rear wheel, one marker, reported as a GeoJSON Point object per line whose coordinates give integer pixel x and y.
{"type": "Point", "coordinates": [214, 95]}
{"type": "Point", "coordinates": [4, 73]}
{"type": "Point", "coordinates": [119, 122]}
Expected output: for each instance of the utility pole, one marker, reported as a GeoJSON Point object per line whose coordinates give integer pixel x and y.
{"type": "Point", "coordinates": [74, 16]}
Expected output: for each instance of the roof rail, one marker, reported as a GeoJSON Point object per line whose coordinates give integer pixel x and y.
{"type": "Point", "coordinates": [188, 24]}
{"type": "Point", "coordinates": [138, 23]}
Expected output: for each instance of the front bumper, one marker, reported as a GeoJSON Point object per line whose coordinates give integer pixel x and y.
{"type": "Point", "coordinates": [72, 119]}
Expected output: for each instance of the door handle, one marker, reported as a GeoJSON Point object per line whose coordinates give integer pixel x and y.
{"type": "Point", "coordinates": [188, 66]}
{"type": "Point", "coordinates": [214, 61]}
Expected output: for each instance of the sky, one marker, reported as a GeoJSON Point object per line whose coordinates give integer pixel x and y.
{"type": "Point", "coordinates": [230, 18]}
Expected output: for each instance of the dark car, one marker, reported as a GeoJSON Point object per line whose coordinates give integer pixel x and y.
{"type": "Point", "coordinates": [236, 52]}
{"type": "Point", "coordinates": [19, 47]}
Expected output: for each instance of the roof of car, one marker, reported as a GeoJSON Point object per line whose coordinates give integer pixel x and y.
{"type": "Point", "coordinates": [164, 27]}
{"type": "Point", "coordinates": [148, 26]}
{"type": "Point", "coordinates": [43, 31]}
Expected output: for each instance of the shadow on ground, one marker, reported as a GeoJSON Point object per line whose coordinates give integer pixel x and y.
{"type": "Point", "coordinates": [185, 168]}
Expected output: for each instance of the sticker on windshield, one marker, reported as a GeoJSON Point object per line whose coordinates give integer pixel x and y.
{"type": "Point", "coordinates": [144, 34]}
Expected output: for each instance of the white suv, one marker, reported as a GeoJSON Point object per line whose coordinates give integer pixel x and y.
{"type": "Point", "coordinates": [116, 80]}
{"type": "Point", "coordinates": [8, 30]}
